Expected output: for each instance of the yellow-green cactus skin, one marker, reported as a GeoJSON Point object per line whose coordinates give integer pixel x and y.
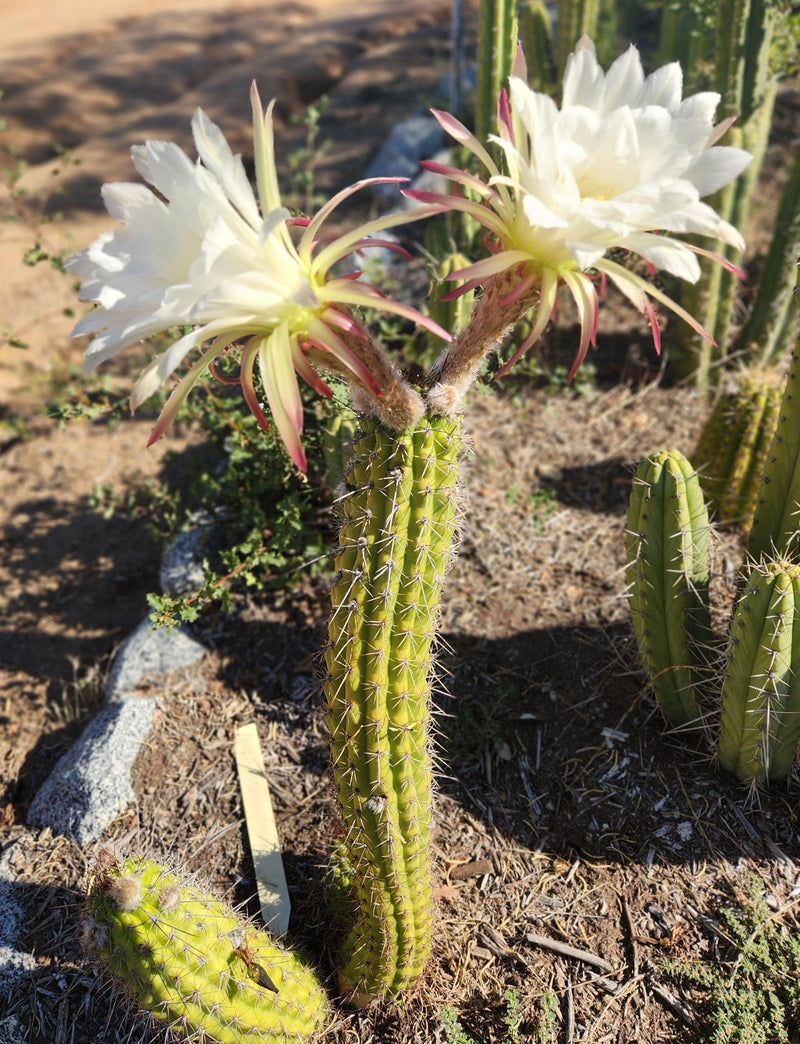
{"type": "Point", "coordinates": [667, 574]}
{"type": "Point", "coordinates": [397, 530]}
{"type": "Point", "coordinates": [776, 524]}
{"type": "Point", "coordinates": [193, 964]}
{"type": "Point", "coordinates": [761, 695]}
{"type": "Point", "coordinates": [733, 447]}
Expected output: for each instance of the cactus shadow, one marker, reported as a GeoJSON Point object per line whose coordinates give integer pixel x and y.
{"type": "Point", "coordinates": [549, 736]}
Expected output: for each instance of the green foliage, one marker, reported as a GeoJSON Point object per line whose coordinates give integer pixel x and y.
{"type": "Point", "coordinates": [266, 514]}
{"type": "Point", "coordinates": [303, 162]}
{"type": "Point", "coordinates": [751, 990]}
{"type": "Point", "coordinates": [545, 1022]}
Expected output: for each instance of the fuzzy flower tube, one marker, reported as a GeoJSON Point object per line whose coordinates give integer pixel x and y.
{"type": "Point", "coordinates": [620, 167]}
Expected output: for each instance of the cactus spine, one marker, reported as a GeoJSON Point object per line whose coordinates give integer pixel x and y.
{"type": "Point", "coordinates": [734, 445]}
{"type": "Point", "coordinates": [667, 575]}
{"type": "Point", "coordinates": [761, 699]}
{"type": "Point", "coordinates": [196, 966]}
{"type": "Point", "coordinates": [395, 543]}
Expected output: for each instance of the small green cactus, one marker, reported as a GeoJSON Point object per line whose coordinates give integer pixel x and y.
{"type": "Point", "coordinates": [733, 447]}
{"type": "Point", "coordinates": [761, 696]}
{"type": "Point", "coordinates": [395, 544]}
{"type": "Point", "coordinates": [667, 574]}
{"type": "Point", "coordinates": [196, 966]}
{"type": "Point", "coordinates": [776, 523]}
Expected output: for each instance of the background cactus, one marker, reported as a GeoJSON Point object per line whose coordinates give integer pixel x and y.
{"type": "Point", "coordinates": [667, 575]}
{"type": "Point", "coordinates": [760, 723]}
{"type": "Point", "coordinates": [735, 61]}
{"type": "Point", "coordinates": [395, 544]}
{"type": "Point", "coordinates": [777, 516]}
{"type": "Point", "coordinates": [196, 966]}
{"type": "Point", "coordinates": [733, 447]}
{"type": "Point", "coordinates": [775, 316]}
{"type": "Point", "coordinates": [536, 35]}
{"type": "Point", "coordinates": [761, 697]}
{"type": "Point", "coordinates": [497, 46]}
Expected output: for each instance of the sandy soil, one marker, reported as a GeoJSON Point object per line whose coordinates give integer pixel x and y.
{"type": "Point", "coordinates": [565, 807]}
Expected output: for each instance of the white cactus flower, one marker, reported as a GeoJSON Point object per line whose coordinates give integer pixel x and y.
{"type": "Point", "coordinates": [623, 164]}
{"type": "Point", "coordinates": [204, 251]}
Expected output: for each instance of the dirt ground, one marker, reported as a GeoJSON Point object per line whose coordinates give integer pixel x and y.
{"type": "Point", "coordinates": [565, 808]}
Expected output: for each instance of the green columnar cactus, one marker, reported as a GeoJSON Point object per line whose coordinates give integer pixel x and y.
{"type": "Point", "coordinates": [761, 696]}
{"type": "Point", "coordinates": [196, 966]}
{"type": "Point", "coordinates": [667, 575]}
{"type": "Point", "coordinates": [395, 543]}
{"type": "Point", "coordinates": [497, 47]}
{"type": "Point", "coordinates": [536, 34]}
{"type": "Point", "coordinates": [734, 444]}
{"type": "Point", "coordinates": [747, 84]}
{"type": "Point", "coordinates": [773, 321]}
{"type": "Point", "coordinates": [575, 18]}
{"type": "Point", "coordinates": [337, 442]}
{"type": "Point", "coordinates": [775, 530]}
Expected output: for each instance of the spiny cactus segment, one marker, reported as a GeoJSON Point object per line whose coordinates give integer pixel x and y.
{"type": "Point", "coordinates": [667, 575]}
{"type": "Point", "coordinates": [734, 445]}
{"type": "Point", "coordinates": [761, 698]}
{"type": "Point", "coordinates": [196, 966]}
{"type": "Point", "coordinates": [395, 544]}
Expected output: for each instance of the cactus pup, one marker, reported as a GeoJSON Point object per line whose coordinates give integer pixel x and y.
{"type": "Point", "coordinates": [761, 695]}
{"type": "Point", "coordinates": [194, 965]}
{"type": "Point", "coordinates": [734, 445]}
{"type": "Point", "coordinates": [667, 573]}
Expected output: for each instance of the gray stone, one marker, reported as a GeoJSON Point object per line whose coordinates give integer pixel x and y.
{"type": "Point", "coordinates": [181, 568]}
{"type": "Point", "coordinates": [91, 784]}
{"type": "Point", "coordinates": [12, 1031]}
{"type": "Point", "coordinates": [410, 141]}
{"type": "Point", "coordinates": [148, 653]}
{"type": "Point", "coordinates": [15, 964]}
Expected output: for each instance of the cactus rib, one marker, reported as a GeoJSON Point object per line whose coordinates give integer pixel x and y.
{"type": "Point", "coordinates": [395, 544]}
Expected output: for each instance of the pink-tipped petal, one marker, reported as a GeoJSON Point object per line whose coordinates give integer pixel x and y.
{"type": "Point", "coordinates": [325, 338]}
{"type": "Point", "coordinates": [359, 296]}
{"type": "Point", "coordinates": [344, 322]}
{"type": "Point", "coordinates": [178, 395]}
{"type": "Point", "coordinates": [280, 385]}
{"type": "Point", "coordinates": [453, 295]}
{"type": "Point", "coordinates": [456, 129]}
{"type": "Point", "coordinates": [585, 299]}
{"type": "Point", "coordinates": [307, 371]}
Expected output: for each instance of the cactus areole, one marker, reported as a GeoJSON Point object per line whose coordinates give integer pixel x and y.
{"type": "Point", "coordinates": [397, 530]}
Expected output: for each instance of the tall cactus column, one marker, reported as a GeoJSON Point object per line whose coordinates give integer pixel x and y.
{"type": "Point", "coordinates": [398, 526]}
